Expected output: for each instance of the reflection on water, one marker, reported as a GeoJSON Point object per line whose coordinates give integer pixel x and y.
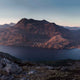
{"type": "Point", "coordinates": [34, 54]}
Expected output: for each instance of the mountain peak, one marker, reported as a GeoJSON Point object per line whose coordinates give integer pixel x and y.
{"type": "Point", "coordinates": [44, 21]}
{"type": "Point", "coordinates": [24, 20]}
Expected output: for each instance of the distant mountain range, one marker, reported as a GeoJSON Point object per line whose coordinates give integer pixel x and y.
{"type": "Point", "coordinates": [39, 33]}
{"type": "Point", "coordinates": [7, 25]}
{"type": "Point", "coordinates": [72, 28]}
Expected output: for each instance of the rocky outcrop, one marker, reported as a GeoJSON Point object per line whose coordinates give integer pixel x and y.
{"type": "Point", "coordinates": [11, 70]}
{"type": "Point", "coordinates": [9, 67]}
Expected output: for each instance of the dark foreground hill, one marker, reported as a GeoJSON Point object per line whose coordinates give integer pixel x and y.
{"type": "Point", "coordinates": [54, 70]}
{"type": "Point", "coordinates": [36, 33]}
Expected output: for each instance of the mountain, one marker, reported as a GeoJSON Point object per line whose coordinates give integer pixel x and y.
{"type": "Point", "coordinates": [37, 33]}
{"type": "Point", "coordinates": [72, 28]}
{"type": "Point", "coordinates": [7, 25]}
{"type": "Point", "coordinates": [11, 24]}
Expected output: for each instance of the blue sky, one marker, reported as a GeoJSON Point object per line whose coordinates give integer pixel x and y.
{"type": "Point", "coordinates": [62, 12]}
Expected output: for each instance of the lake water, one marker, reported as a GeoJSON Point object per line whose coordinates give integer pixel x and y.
{"type": "Point", "coordinates": [38, 54]}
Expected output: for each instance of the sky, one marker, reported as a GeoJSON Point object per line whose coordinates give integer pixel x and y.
{"type": "Point", "coordinates": [61, 12]}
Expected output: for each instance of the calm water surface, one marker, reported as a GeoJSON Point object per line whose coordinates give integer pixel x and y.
{"type": "Point", "coordinates": [37, 54]}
